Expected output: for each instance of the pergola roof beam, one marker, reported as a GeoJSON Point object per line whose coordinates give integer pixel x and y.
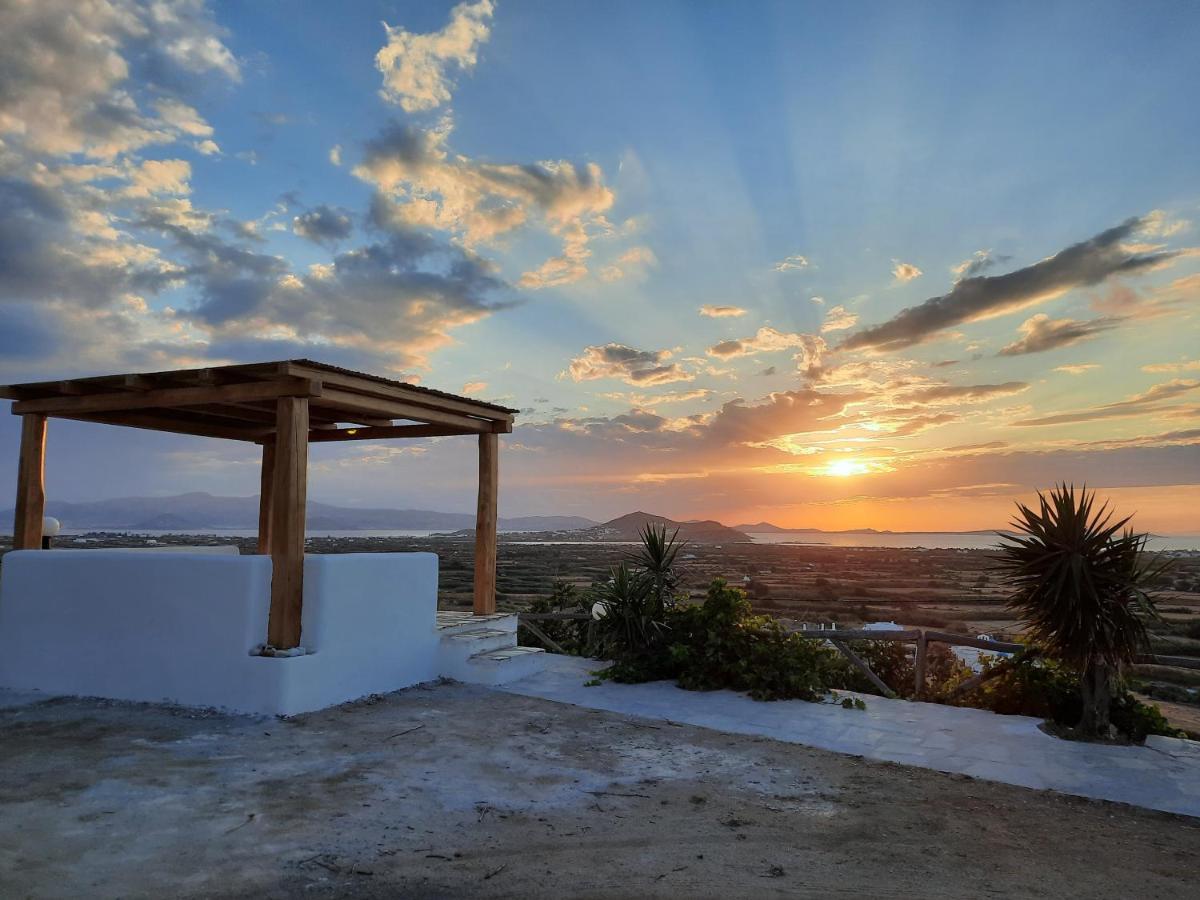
{"type": "Point", "coordinates": [169, 397]}
{"type": "Point", "coordinates": [390, 432]}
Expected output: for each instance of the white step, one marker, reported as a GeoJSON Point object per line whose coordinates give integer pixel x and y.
{"type": "Point", "coordinates": [468, 643]}
{"type": "Point", "coordinates": [453, 622]}
{"type": "Point", "coordinates": [503, 666]}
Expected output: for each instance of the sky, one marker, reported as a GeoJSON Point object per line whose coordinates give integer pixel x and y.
{"type": "Point", "coordinates": [824, 265]}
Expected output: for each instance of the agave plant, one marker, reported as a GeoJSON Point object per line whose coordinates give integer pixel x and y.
{"type": "Point", "coordinates": [628, 622]}
{"type": "Point", "coordinates": [1078, 581]}
{"type": "Point", "coordinates": [656, 557]}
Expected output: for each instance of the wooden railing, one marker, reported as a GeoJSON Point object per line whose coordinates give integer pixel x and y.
{"type": "Point", "coordinates": [919, 636]}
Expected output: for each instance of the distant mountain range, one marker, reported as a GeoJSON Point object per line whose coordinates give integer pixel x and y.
{"type": "Point", "coordinates": [202, 511]}
{"type": "Point", "coordinates": [206, 512]}
{"type": "Point", "coordinates": [768, 528]}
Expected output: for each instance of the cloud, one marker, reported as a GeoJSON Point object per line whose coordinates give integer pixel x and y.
{"type": "Point", "coordinates": [159, 176]}
{"type": "Point", "coordinates": [778, 414]}
{"type": "Point", "coordinates": [1079, 368]}
{"type": "Point", "coordinates": [903, 271]}
{"type": "Point", "coordinates": [838, 319]}
{"type": "Point", "coordinates": [323, 225]}
{"type": "Point", "coordinates": [474, 387]}
{"type": "Point", "coordinates": [1040, 333]}
{"type": "Point", "coordinates": [1183, 365]}
{"type": "Point", "coordinates": [970, 393]}
{"type": "Point", "coordinates": [424, 185]}
{"type": "Point", "coordinates": [721, 312]}
{"type": "Point", "coordinates": [74, 73]}
{"type": "Point", "coordinates": [766, 340]}
{"type": "Point", "coordinates": [416, 67]}
{"type": "Point", "coordinates": [971, 299]}
{"type": "Point", "coordinates": [977, 264]}
{"type": "Point", "coordinates": [1145, 403]}
{"type": "Point", "coordinates": [633, 263]}
{"type": "Point", "coordinates": [791, 264]}
{"type": "Point", "coordinates": [335, 154]}
{"type": "Point", "coordinates": [636, 367]}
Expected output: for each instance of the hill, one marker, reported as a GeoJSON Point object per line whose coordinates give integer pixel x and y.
{"type": "Point", "coordinates": [627, 528]}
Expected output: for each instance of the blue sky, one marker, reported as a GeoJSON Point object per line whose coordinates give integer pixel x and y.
{"type": "Point", "coordinates": [535, 202]}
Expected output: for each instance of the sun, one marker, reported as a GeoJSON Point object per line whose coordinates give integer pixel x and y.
{"type": "Point", "coordinates": [844, 468]}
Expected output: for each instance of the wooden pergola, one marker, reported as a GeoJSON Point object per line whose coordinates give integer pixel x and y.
{"type": "Point", "coordinates": [284, 406]}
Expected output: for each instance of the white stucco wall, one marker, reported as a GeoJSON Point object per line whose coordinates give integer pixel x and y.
{"type": "Point", "coordinates": [180, 627]}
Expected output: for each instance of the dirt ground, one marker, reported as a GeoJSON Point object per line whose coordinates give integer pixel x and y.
{"type": "Point", "coordinates": [451, 790]}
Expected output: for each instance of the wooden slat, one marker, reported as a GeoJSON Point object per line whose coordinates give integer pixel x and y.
{"type": "Point", "coordinates": [167, 398]}
{"type": "Point", "coordinates": [370, 387]}
{"type": "Point", "coordinates": [176, 424]}
{"type": "Point", "coordinates": [266, 489]}
{"type": "Point", "coordinates": [859, 634]}
{"type": "Point", "coordinates": [965, 640]}
{"type": "Point", "coordinates": [858, 663]}
{"type": "Point", "coordinates": [288, 498]}
{"type": "Point", "coordinates": [31, 484]}
{"type": "Point", "coordinates": [485, 525]}
{"type": "Point", "coordinates": [390, 432]}
{"type": "Point", "coordinates": [335, 399]}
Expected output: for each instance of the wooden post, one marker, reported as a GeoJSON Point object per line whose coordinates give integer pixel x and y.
{"type": "Point", "coordinates": [859, 664]}
{"type": "Point", "coordinates": [288, 498]}
{"type": "Point", "coordinates": [485, 525]}
{"type": "Point", "coordinates": [266, 490]}
{"type": "Point", "coordinates": [31, 484]}
{"type": "Point", "coordinates": [919, 668]}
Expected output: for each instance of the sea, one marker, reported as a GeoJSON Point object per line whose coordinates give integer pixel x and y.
{"type": "Point", "coordinates": [928, 540]}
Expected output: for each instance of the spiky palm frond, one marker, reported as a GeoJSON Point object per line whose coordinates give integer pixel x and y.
{"type": "Point", "coordinates": [630, 620]}
{"type": "Point", "coordinates": [1078, 579]}
{"type": "Point", "coordinates": [656, 557]}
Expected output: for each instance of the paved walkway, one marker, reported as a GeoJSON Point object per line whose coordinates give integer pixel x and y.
{"type": "Point", "coordinates": [1007, 749]}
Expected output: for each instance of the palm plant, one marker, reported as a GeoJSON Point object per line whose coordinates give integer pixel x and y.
{"type": "Point", "coordinates": [656, 557]}
{"type": "Point", "coordinates": [628, 622]}
{"type": "Point", "coordinates": [1078, 581]}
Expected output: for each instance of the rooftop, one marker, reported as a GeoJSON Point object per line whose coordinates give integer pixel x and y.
{"type": "Point", "coordinates": [238, 402]}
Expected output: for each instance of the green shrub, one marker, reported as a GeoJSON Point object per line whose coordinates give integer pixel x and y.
{"type": "Point", "coordinates": [1047, 689]}
{"type": "Point", "coordinates": [722, 644]}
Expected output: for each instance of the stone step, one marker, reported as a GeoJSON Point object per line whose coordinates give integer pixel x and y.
{"type": "Point", "coordinates": [465, 644]}
{"type": "Point", "coordinates": [454, 622]}
{"type": "Point", "coordinates": [502, 666]}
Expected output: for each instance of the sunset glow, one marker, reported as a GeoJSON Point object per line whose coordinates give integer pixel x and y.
{"type": "Point", "coordinates": [740, 262]}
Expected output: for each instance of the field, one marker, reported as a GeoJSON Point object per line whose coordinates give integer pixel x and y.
{"type": "Point", "coordinates": [953, 590]}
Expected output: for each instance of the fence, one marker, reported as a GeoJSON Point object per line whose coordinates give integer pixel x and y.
{"type": "Point", "coordinates": [919, 636]}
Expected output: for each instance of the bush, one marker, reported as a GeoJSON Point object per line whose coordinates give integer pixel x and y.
{"type": "Point", "coordinates": [1047, 689]}
{"type": "Point", "coordinates": [722, 644]}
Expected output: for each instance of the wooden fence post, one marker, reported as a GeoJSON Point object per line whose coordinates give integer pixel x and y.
{"type": "Point", "coordinates": [919, 675]}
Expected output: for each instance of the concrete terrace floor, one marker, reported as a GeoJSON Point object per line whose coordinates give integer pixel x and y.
{"type": "Point", "coordinates": [1009, 749]}
{"type": "Point", "coordinates": [453, 790]}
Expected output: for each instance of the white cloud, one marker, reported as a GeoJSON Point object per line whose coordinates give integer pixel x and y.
{"type": "Point", "coordinates": [903, 271]}
{"type": "Point", "coordinates": [633, 263]}
{"type": "Point", "coordinates": [792, 263]}
{"type": "Point", "coordinates": [721, 312]}
{"type": "Point", "coordinates": [335, 154]}
{"type": "Point", "coordinates": [416, 67]}
{"type": "Point", "coordinates": [838, 319]}
{"type": "Point", "coordinates": [641, 368]}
